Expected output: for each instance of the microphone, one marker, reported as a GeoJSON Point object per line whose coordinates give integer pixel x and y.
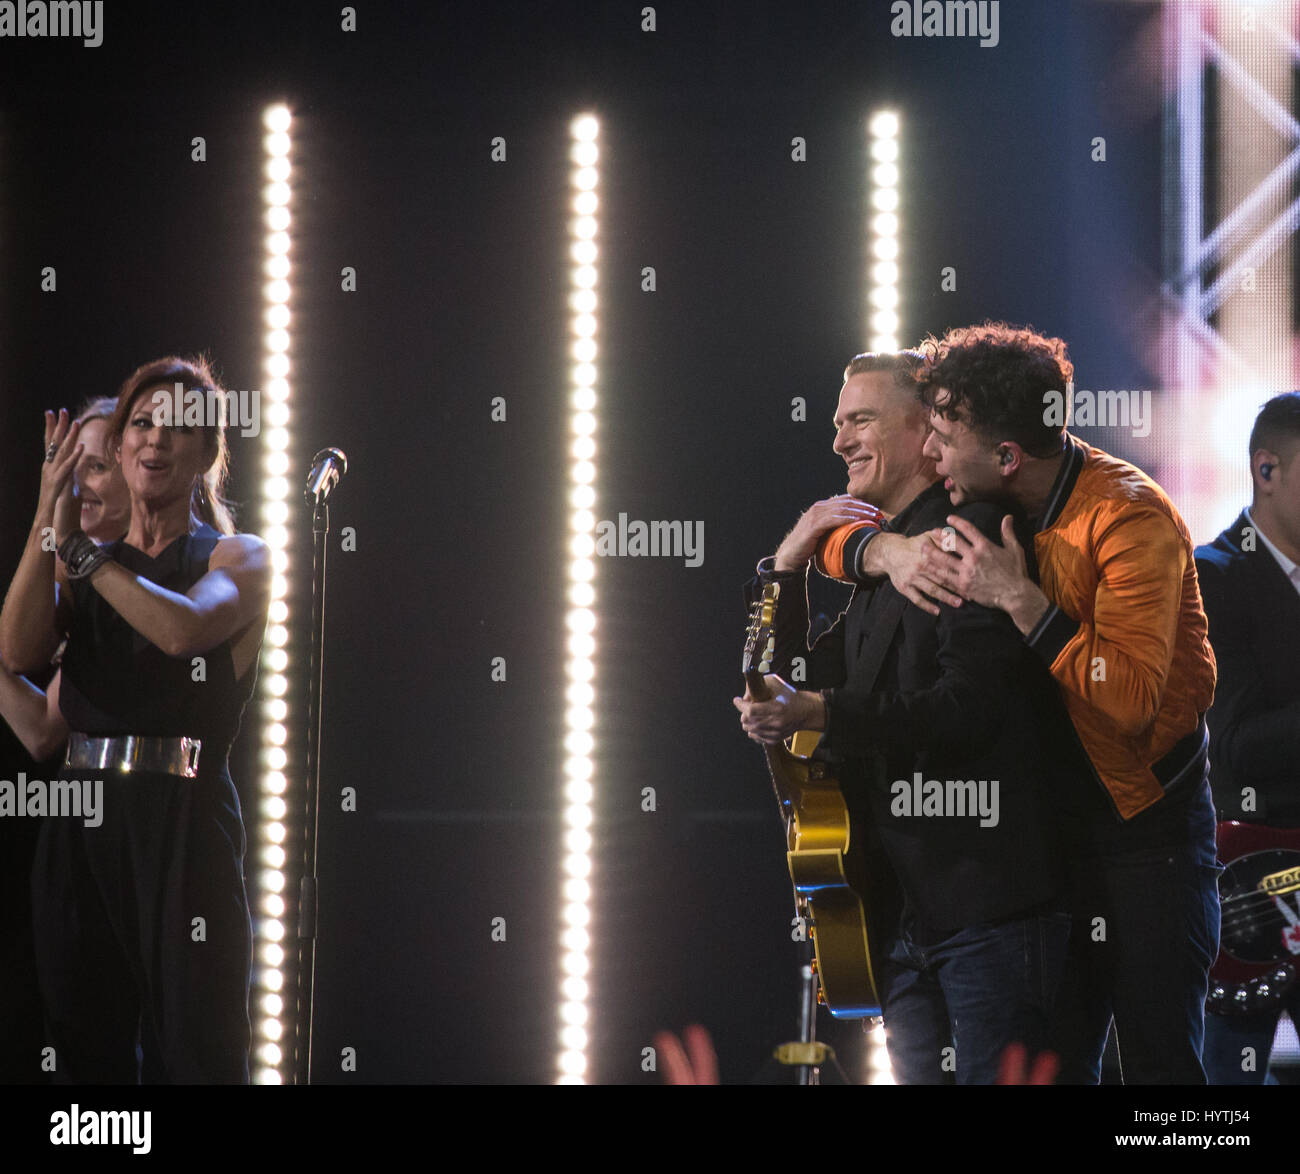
{"type": "Point", "coordinates": [327, 466]}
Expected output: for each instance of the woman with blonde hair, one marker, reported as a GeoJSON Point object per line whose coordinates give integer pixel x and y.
{"type": "Point", "coordinates": [105, 508]}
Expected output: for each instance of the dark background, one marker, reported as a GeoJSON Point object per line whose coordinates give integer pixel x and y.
{"type": "Point", "coordinates": [460, 521]}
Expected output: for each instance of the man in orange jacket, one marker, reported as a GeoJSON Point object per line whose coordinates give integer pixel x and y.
{"type": "Point", "coordinates": [1108, 597]}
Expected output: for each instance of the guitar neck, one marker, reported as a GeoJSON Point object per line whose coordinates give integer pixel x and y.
{"type": "Point", "coordinates": [758, 689]}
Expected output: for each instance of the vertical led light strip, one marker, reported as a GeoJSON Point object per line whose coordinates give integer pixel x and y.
{"type": "Point", "coordinates": [882, 330]}
{"type": "Point", "coordinates": [882, 297]}
{"type": "Point", "coordinates": [267, 1006]}
{"type": "Point", "coordinates": [580, 618]}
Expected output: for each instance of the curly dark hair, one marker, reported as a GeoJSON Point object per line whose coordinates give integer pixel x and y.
{"type": "Point", "coordinates": [996, 378]}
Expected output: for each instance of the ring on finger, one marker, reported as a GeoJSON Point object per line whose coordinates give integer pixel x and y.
{"type": "Point", "coordinates": [50, 453]}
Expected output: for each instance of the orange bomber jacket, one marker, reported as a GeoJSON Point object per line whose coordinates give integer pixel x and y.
{"type": "Point", "coordinates": [1126, 635]}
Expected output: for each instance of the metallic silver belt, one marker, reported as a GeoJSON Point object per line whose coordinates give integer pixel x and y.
{"type": "Point", "coordinates": [127, 752]}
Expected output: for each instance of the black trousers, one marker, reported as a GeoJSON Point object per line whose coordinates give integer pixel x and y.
{"type": "Point", "coordinates": [143, 935]}
{"type": "Point", "coordinates": [20, 998]}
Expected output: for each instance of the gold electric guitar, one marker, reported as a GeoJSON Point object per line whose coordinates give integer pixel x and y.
{"type": "Point", "coordinates": [829, 870]}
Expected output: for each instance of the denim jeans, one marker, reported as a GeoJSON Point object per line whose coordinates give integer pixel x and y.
{"type": "Point", "coordinates": [959, 1003]}
{"type": "Point", "coordinates": [1146, 931]}
{"type": "Point", "coordinates": [1227, 1037]}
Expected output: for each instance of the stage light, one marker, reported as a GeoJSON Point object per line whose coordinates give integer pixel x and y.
{"type": "Point", "coordinates": [878, 1066]}
{"type": "Point", "coordinates": [577, 840]}
{"type": "Point", "coordinates": [269, 1053]}
{"type": "Point", "coordinates": [575, 964]}
{"type": "Point", "coordinates": [579, 670]}
{"type": "Point", "coordinates": [884, 124]}
{"type": "Point", "coordinates": [575, 938]}
{"type": "Point", "coordinates": [277, 198]}
{"type": "Point", "coordinates": [886, 199]}
{"type": "Point", "coordinates": [580, 694]}
{"type": "Point", "coordinates": [885, 247]}
{"type": "Point", "coordinates": [580, 619]}
{"type": "Point", "coordinates": [883, 225]}
{"type": "Point", "coordinates": [277, 119]}
{"type": "Point", "coordinates": [576, 914]}
{"type": "Point", "coordinates": [578, 791]}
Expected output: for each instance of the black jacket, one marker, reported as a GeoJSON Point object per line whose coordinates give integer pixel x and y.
{"type": "Point", "coordinates": [954, 697]}
{"type": "Point", "coordinates": [1254, 615]}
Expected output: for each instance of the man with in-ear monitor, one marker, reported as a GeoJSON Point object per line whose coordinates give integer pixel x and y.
{"type": "Point", "coordinates": [1250, 580]}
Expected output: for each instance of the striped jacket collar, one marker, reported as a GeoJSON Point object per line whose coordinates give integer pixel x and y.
{"type": "Point", "coordinates": [1063, 486]}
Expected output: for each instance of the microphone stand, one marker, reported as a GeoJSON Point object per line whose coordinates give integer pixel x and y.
{"type": "Point", "coordinates": [328, 466]}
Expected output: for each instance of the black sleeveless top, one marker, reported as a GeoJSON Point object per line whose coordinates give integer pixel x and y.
{"type": "Point", "coordinates": [117, 682]}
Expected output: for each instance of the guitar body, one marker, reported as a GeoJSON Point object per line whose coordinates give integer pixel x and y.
{"type": "Point", "coordinates": [828, 868]}
{"type": "Point", "coordinates": [1259, 897]}
{"type": "Point", "coordinates": [829, 880]}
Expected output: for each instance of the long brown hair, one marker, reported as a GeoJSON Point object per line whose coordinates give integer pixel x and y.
{"type": "Point", "coordinates": [207, 501]}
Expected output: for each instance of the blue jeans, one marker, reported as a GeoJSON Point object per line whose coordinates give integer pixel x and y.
{"type": "Point", "coordinates": [1227, 1037]}
{"type": "Point", "coordinates": [952, 1008]}
{"type": "Point", "coordinates": [1146, 930]}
